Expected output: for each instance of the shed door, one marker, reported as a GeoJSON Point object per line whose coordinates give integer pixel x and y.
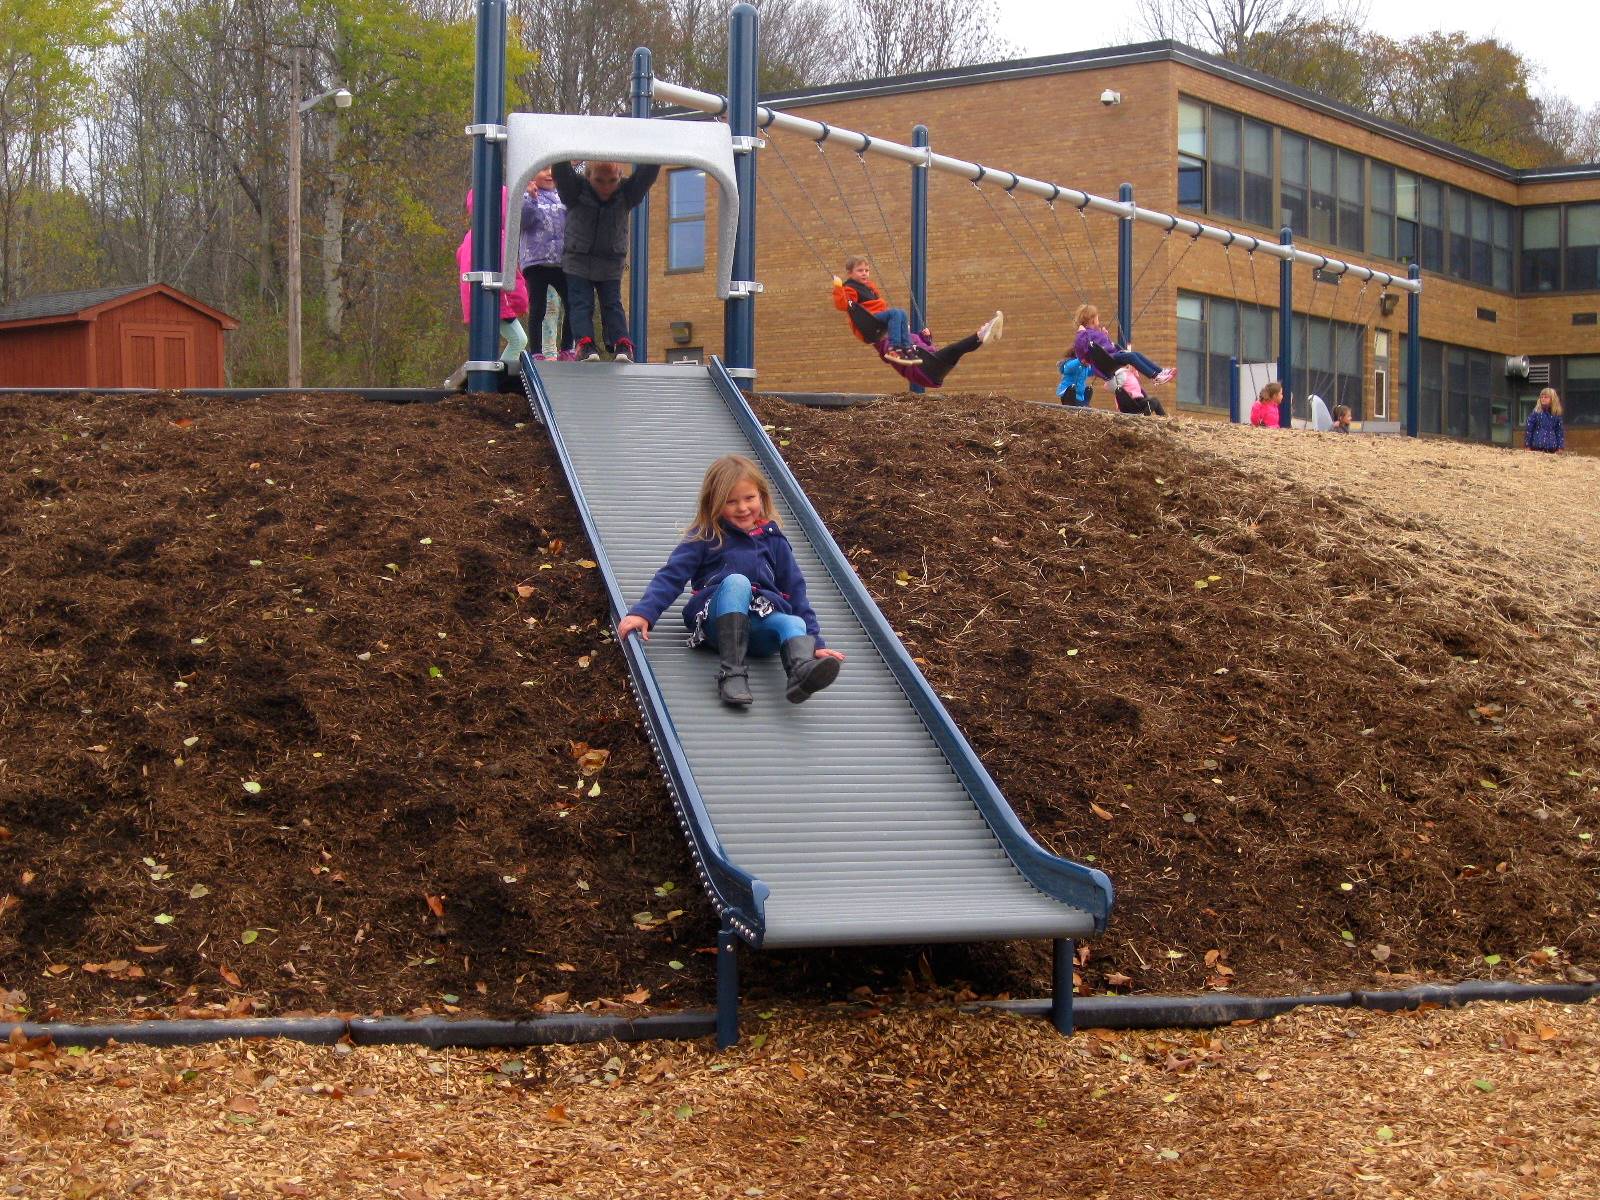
{"type": "Point", "coordinates": [157, 356]}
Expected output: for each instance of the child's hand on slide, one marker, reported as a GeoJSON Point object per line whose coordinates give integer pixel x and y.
{"type": "Point", "coordinates": [633, 624]}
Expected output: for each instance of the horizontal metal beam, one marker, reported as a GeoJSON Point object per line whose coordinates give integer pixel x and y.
{"type": "Point", "coordinates": [818, 131]}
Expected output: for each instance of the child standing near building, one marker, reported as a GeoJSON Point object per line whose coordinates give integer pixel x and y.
{"type": "Point", "coordinates": [749, 595]}
{"type": "Point", "coordinates": [1094, 348]}
{"type": "Point", "coordinates": [513, 302]}
{"type": "Point", "coordinates": [871, 317]}
{"type": "Point", "coordinates": [544, 232]}
{"type": "Point", "coordinates": [1545, 430]}
{"type": "Point", "coordinates": [1266, 410]}
{"type": "Point", "coordinates": [596, 249]}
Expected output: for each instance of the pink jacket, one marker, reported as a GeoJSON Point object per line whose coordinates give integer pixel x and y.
{"type": "Point", "coordinates": [1264, 412]}
{"type": "Point", "coordinates": [512, 303]}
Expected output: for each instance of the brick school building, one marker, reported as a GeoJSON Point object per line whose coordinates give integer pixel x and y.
{"type": "Point", "coordinates": [1510, 258]}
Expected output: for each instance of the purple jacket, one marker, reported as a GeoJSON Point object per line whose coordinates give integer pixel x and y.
{"type": "Point", "coordinates": [1088, 336]}
{"type": "Point", "coordinates": [913, 375]}
{"type": "Point", "coordinates": [765, 558]}
{"type": "Point", "coordinates": [544, 229]}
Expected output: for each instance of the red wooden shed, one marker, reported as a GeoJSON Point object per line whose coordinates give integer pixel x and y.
{"type": "Point", "coordinates": [144, 335]}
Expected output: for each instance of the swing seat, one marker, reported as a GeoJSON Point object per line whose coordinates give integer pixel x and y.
{"type": "Point", "coordinates": [1100, 359]}
{"type": "Point", "coordinates": [870, 326]}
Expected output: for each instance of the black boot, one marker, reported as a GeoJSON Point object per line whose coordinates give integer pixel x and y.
{"type": "Point", "coordinates": [733, 678]}
{"type": "Point", "coordinates": [807, 672]}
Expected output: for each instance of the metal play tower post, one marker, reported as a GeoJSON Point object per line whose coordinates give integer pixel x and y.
{"type": "Point", "coordinates": [1286, 329]}
{"type": "Point", "coordinates": [739, 311]}
{"type": "Point", "coordinates": [488, 132]}
{"type": "Point", "coordinates": [919, 239]}
{"type": "Point", "coordinates": [639, 231]}
{"type": "Point", "coordinates": [1125, 267]}
{"type": "Point", "coordinates": [1414, 357]}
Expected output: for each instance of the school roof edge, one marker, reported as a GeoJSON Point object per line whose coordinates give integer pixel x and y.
{"type": "Point", "coordinates": [1161, 51]}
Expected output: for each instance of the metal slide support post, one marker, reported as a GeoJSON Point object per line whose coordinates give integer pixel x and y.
{"type": "Point", "coordinates": [1286, 329]}
{"type": "Point", "coordinates": [727, 987]}
{"type": "Point", "coordinates": [1061, 985]}
{"type": "Point", "coordinates": [639, 233]}
{"type": "Point", "coordinates": [1125, 270]}
{"type": "Point", "coordinates": [1233, 390]}
{"type": "Point", "coordinates": [1414, 358]}
{"type": "Point", "coordinates": [919, 239]}
{"type": "Point", "coordinates": [739, 311]}
{"type": "Point", "coordinates": [488, 177]}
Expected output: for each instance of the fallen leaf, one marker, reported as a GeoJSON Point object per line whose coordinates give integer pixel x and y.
{"type": "Point", "coordinates": [797, 1070]}
{"type": "Point", "coordinates": [556, 1112]}
{"type": "Point", "coordinates": [1103, 814]}
{"type": "Point", "coordinates": [229, 976]}
{"type": "Point", "coordinates": [164, 918]}
{"type": "Point", "coordinates": [435, 904]}
{"type": "Point", "coordinates": [524, 590]}
{"type": "Point", "coordinates": [638, 997]}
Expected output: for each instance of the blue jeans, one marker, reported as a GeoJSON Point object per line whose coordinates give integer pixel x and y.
{"type": "Point", "coordinates": [1132, 358]}
{"type": "Point", "coordinates": [897, 326]}
{"type": "Point", "coordinates": [766, 633]}
{"type": "Point", "coordinates": [580, 302]}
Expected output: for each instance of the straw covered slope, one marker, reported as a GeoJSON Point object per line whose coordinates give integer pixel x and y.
{"type": "Point", "coordinates": [311, 704]}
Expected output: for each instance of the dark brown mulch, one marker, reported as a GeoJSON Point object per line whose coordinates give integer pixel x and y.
{"type": "Point", "coordinates": [384, 618]}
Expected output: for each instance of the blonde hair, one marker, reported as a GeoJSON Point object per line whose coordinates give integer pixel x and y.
{"type": "Point", "coordinates": [1087, 313]}
{"type": "Point", "coordinates": [854, 261]}
{"type": "Point", "coordinates": [1273, 388]}
{"type": "Point", "coordinates": [722, 476]}
{"type": "Point", "coordinates": [1555, 400]}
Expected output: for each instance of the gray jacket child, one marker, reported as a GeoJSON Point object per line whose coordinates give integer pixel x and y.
{"type": "Point", "coordinates": [597, 230]}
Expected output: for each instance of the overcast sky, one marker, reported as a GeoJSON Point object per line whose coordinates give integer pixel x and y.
{"type": "Point", "coordinates": [1562, 36]}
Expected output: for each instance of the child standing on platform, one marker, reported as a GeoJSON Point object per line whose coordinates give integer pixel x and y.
{"type": "Point", "coordinates": [1545, 429]}
{"type": "Point", "coordinates": [749, 595]}
{"type": "Point", "coordinates": [1091, 337]}
{"type": "Point", "coordinates": [544, 231]}
{"type": "Point", "coordinates": [513, 302]}
{"type": "Point", "coordinates": [596, 249]}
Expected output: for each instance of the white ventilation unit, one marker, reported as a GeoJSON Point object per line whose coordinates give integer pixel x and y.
{"type": "Point", "coordinates": [1517, 366]}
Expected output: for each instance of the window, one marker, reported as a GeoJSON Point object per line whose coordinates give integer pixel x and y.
{"type": "Point", "coordinates": [1191, 155]}
{"type": "Point", "coordinates": [686, 221]}
{"type": "Point", "coordinates": [1227, 185]}
{"type": "Point", "coordinates": [1212, 331]}
{"type": "Point", "coordinates": [1541, 249]}
{"type": "Point", "coordinates": [1502, 247]}
{"type": "Point", "coordinates": [1292, 188]}
{"type": "Point", "coordinates": [1383, 211]}
{"type": "Point", "coordinates": [1407, 236]}
{"type": "Point", "coordinates": [1482, 241]}
{"type": "Point", "coordinates": [1583, 247]}
{"type": "Point", "coordinates": [1327, 362]}
{"type": "Point", "coordinates": [1581, 401]}
{"type": "Point", "coordinates": [1257, 173]}
{"type": "Point", "coordinates": [1320, 160]}
{"type": "Point", "coordinates": [1352, 191]}
{"type": "Point", "coordinates": [1460, 259]}
{"type": "Point", "coordinates": [1430, 206]}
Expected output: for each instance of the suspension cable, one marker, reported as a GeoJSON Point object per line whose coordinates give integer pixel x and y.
{"type": "Point", "coordinates": [883, 219]}
{"type": "Point", "coordinates": [1061, 236]}
{"type": "Point", "coordinates": [1021, 249]}
{"type": "Point", "coordinates": [1170, 272]}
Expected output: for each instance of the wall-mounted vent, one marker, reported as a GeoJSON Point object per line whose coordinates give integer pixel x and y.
{"type": "Point", "coordinates": [1584, 318]}
{"type": "Point", "coordinates": [1539, 374]}
{"type": "Point", "coordinates": [1488, 314]}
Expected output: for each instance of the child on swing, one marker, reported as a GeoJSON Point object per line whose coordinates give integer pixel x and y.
{"type": "Point", "coordinates": [749, 595]}
{"type": "Point", "coordinates": [913, 356]}
{"type": "Point", "coordinates": [1094, 348]}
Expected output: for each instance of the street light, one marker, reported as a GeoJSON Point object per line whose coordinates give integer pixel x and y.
{"type": "Point", "coordinates": [297, 107]}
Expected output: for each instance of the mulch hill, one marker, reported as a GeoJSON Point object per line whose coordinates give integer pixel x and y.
{"type": "Point", "coordinates": [310, 704]}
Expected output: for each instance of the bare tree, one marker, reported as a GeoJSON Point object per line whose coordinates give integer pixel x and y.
{"type": "Point", "coordinates": [892, 37]}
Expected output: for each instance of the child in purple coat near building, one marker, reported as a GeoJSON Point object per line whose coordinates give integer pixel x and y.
{"type": "Point", "coordinates": [1093, 343]}
{"type": "Point", "coordinates": [544, 231]}
{"type": "Point", "coordinates": [1545, 430]}
{"type": "Point", "coordinates": [749, 595]}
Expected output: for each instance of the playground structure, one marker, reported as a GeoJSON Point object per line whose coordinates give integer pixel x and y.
{"type": "Point", "coordinates": [899, 835]}
{"type": "Point", "coordinates": [748, 122]}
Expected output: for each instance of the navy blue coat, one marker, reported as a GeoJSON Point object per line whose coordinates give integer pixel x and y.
{"type": "Point", "coordinates": [765, 558]}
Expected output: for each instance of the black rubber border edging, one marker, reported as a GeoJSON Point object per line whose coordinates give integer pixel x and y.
{"type": "Point", "coordinates": [1089, 1012]}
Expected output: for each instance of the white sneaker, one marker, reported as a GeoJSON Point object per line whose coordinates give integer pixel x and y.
{"type": "Point", "coordinates": [1168, 375]}
{"type": "Point", "coordinates": [991, 329]}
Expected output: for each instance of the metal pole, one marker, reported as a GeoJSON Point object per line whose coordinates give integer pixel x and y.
{"type": "Point", "coordinates": [727, 988]}
{"type": "Point", "coordinates": [739, 311]}
{"type": "Point", "coordinates": [488, 177]}
{"type": "Point", "coordinates": [919, 240]}
{"type": "Point", "coordinates": [295, 379]}
{"type": "Point", "coordinates": [1233, 390]}
{"type": "Point", "coordinates": [1125, 269]}
{"type": "Point", "coordinates": [1286, 329]}
{"type": "Point", "coordinates": [1414, 357]}
{"type": "Point", "coordinates": [639, 234]}
{"type": "Point", "coordinates": [1061, 986]}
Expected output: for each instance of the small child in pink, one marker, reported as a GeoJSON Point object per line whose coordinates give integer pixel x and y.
{"type": "Point", "coordinates": [1265, 411]}
{"type": "Point", "coordinates": [513, 302]}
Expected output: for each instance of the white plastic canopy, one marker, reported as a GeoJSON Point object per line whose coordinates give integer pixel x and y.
{"type": "Point", "coordinates": [536, 140]}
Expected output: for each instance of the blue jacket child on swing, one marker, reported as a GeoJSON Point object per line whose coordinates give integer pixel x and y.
{"type": "Point", "coordinates": [749, 594]}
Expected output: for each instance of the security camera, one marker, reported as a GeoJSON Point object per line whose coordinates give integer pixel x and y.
{"type": "Point", "coordinates": [1110, 98]}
